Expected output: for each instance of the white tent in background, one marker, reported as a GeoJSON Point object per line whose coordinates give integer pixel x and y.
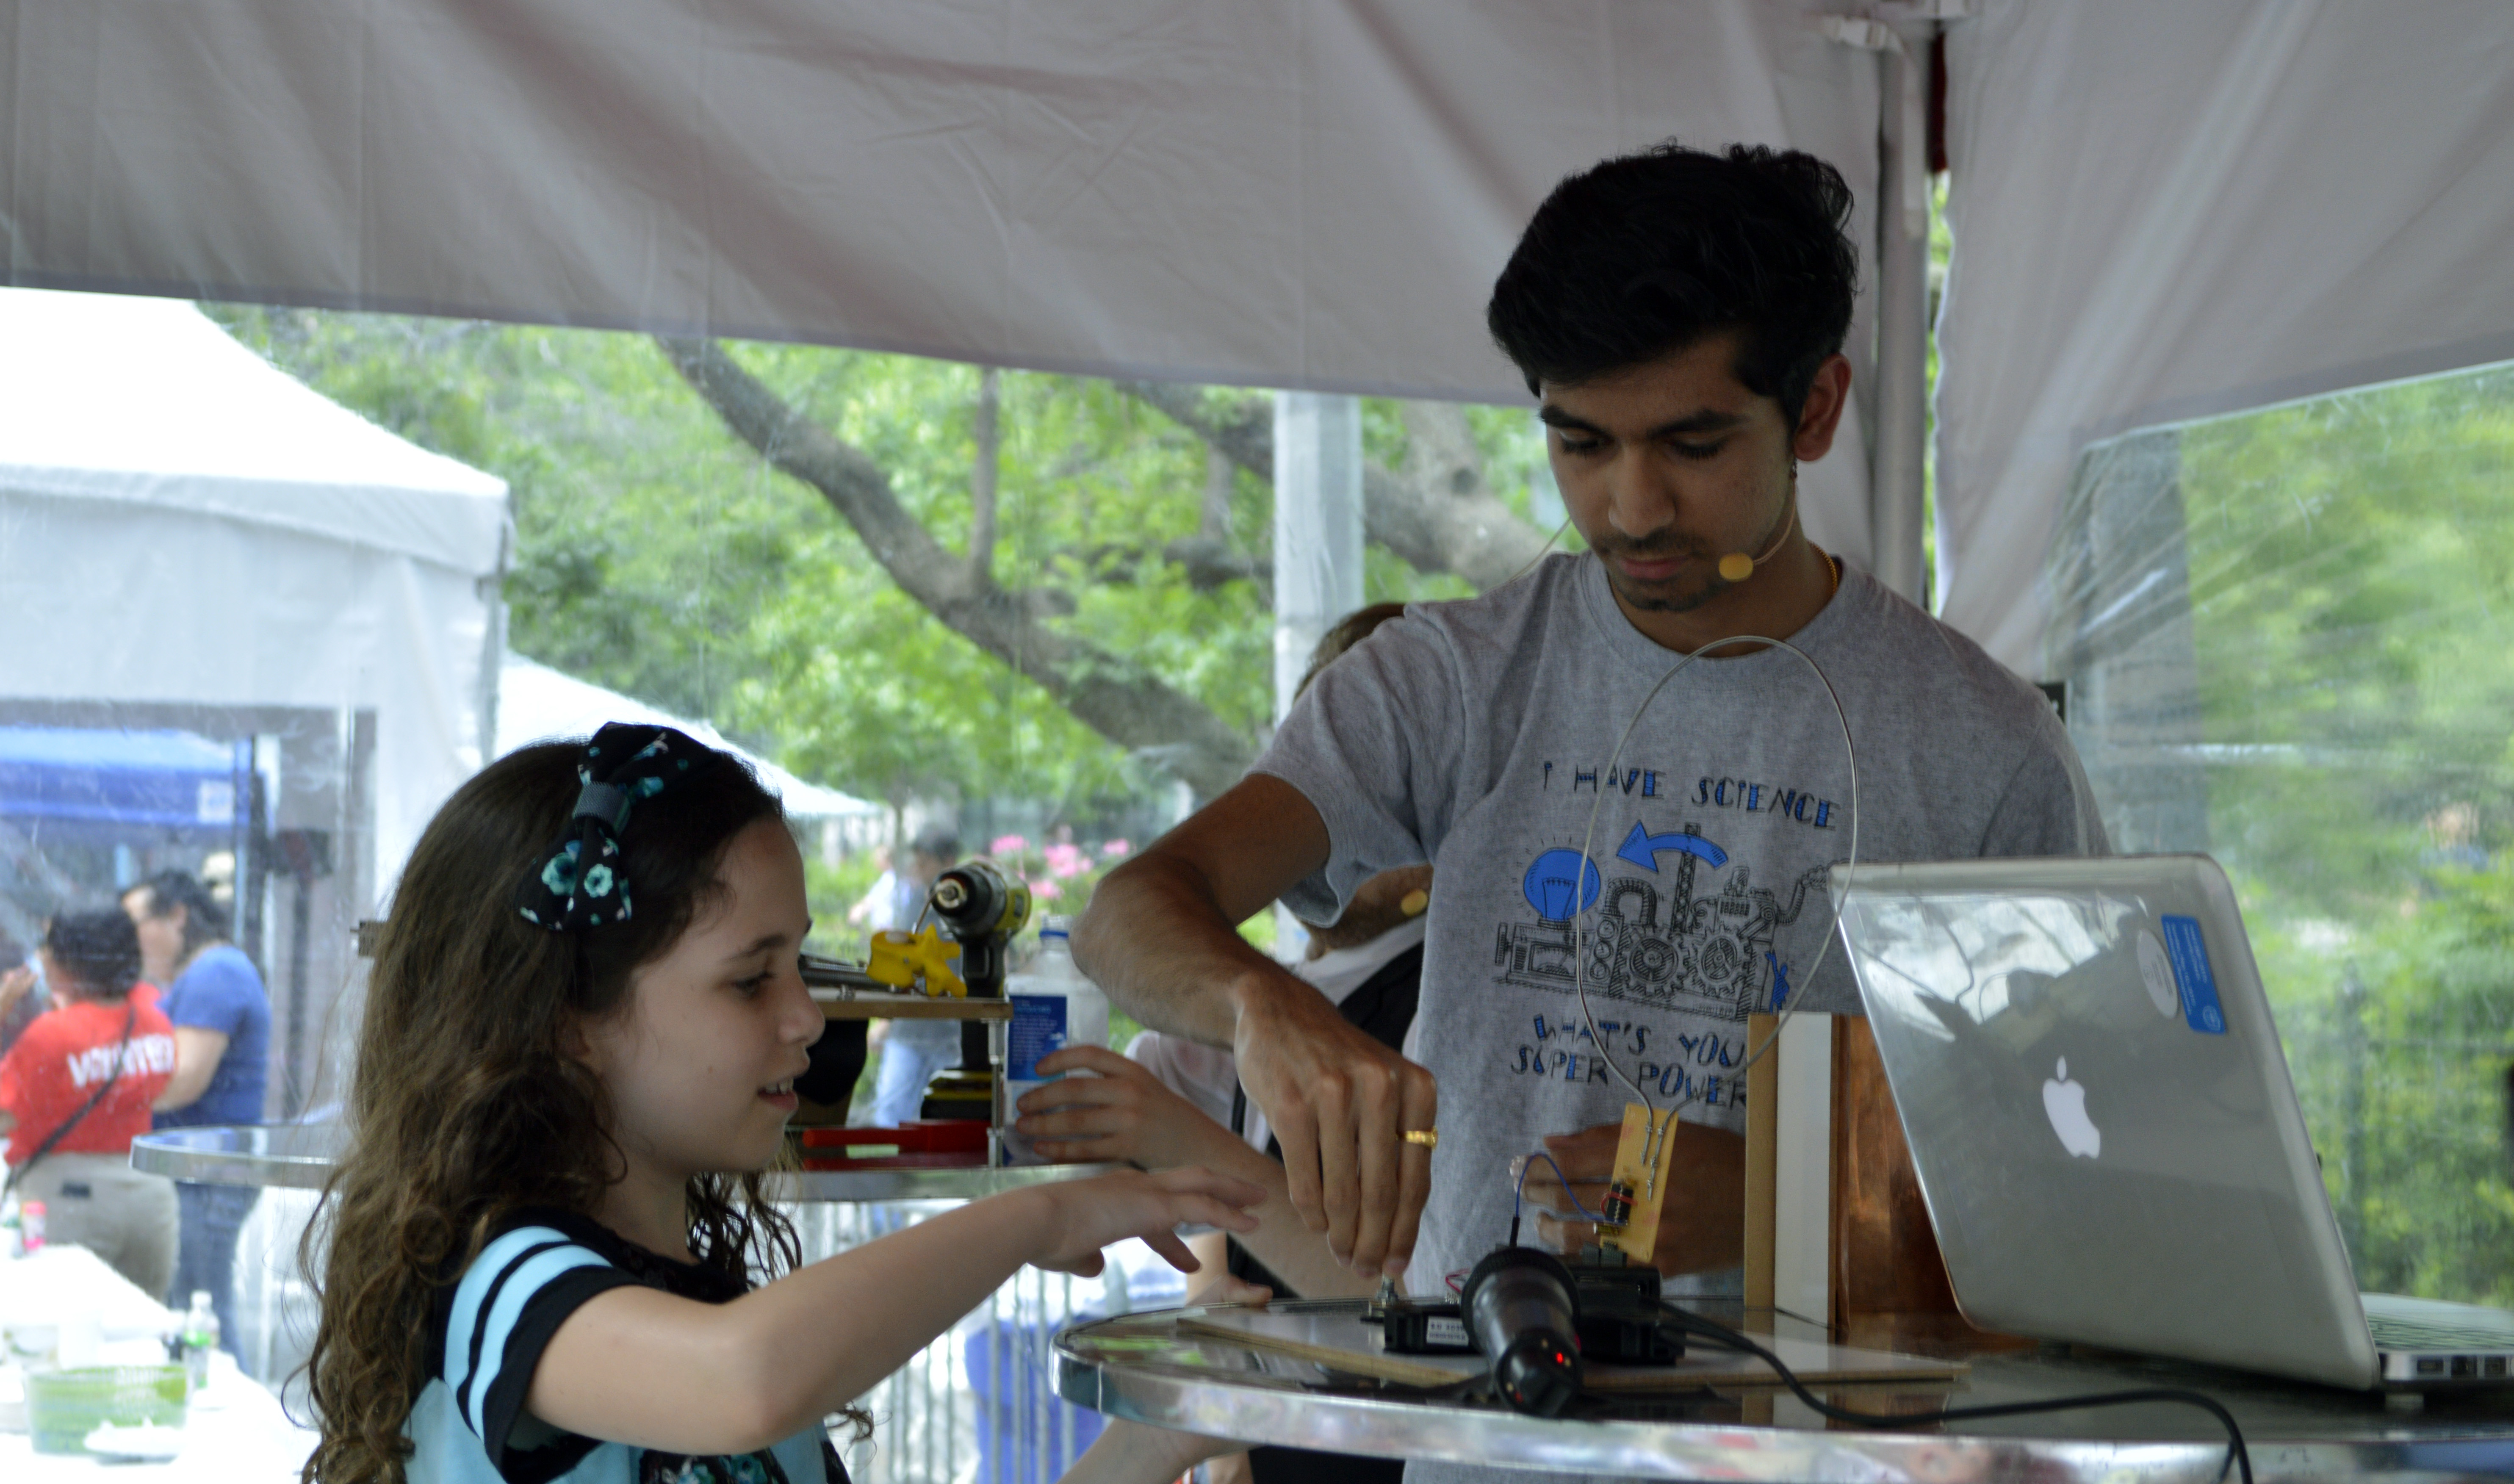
{"type": "Point", "coordinates": [536, 702]}
{"type": "Point", "coordinates": [195, 543]}
{"type": "Point", "coordinates": [267, 547]}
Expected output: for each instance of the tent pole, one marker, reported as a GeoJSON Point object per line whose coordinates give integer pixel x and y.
{"type": "Point", "coordinates": [1317, 542]}
{"type": "Point", "coordinates": [1902, 290]}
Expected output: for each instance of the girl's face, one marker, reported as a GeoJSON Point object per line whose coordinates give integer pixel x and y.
{"type": "Point", "coordinates": [701, 1060]}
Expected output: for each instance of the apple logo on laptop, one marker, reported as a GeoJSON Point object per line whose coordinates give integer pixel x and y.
{"type": "Point", "coordinates": [2065, 1103]}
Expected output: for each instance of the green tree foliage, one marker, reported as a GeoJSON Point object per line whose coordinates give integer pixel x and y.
{"type": "Point", "coordinates": [2352, 578]}
{"type": "Point", "coordinates": [659, 555]}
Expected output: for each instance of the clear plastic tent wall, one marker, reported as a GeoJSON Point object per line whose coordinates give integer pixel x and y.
{"type": "Point", "coordinates": [206, 560]}
{"type": "Point", "coordinates": [2289, 642]}
{"type": "Point", "coordinates": [2163, 209]}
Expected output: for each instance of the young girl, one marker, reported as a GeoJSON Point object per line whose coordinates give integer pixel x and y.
{"type": "Point", "coordinates": [546, 1254]}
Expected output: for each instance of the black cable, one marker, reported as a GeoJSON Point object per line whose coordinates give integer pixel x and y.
{"type": "Point", "coordinates": [2238, 1457]}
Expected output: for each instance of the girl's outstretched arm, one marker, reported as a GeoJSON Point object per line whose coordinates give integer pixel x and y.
{"type": "Point", "coordinates": [1123, 1112]}
{"type": "Point", "coordinates": [643, 1367]}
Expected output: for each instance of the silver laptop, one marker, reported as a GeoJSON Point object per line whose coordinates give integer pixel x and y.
{"type": "Point", "coordinates": [2104, 1128]}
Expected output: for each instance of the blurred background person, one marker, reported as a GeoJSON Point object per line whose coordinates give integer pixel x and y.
{"type": "Point", "coordinates": [22, 991]}
{"type": "Point", "coordinates": [876, 909]}
{"type": "Point", "coordinates": [75, 1091]}
{"type": "Point", "coordinates": [215, 1001]}
{"type": "Point", "coordinates": [913, 1051]}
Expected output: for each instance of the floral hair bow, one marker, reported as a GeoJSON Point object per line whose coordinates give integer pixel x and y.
{"type": "Point", "coordinates": [579, 884]}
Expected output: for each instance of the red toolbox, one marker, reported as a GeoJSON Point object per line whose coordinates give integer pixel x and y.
{"type": "Point", "coordinates": [922, 1145]}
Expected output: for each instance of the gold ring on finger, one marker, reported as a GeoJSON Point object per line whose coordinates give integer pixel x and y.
{"type": "Point", "coordinates": [1429, 1138]}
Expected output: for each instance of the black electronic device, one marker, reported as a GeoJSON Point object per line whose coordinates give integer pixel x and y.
{"type": "Point", "coordinates": [1542, 1319]}
{"type": "Point", "coordinates": [1519, 1308]}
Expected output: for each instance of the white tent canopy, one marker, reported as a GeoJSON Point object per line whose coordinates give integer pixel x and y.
{"type": "Point", "coordinates": [538, 703]}
{"type": "Point", "coordinates": [2163, 205]}
{"type": "Point", "coordinates": [183, 524]}
{"type": "Point", "coordinates": [1303, 193]}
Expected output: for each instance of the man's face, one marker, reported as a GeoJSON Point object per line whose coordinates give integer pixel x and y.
{"type": "Point", "coordinates": [1669, 465]}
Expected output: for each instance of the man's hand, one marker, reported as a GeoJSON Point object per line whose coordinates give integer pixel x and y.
{"type": "Point", "coordinates": [1702, 1211]}
{"type": "Point", "coordinates": [1158, 936]}
{"type": "Point", "coordinates": [1341, 1103]}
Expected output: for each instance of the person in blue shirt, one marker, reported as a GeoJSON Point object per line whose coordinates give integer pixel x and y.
{"type": "Point", "coordinates": [549, 1252]}
{"type": "Point", "coordinates": [221, 1016]}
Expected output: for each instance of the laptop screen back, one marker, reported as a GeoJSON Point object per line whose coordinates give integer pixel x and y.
{"type": "Point", "coordinates": [2100, 1112]}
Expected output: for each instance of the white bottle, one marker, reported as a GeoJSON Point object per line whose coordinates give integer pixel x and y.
{"type": "Point", "coordinates": [1053, 1007]}
{"type": "Point", "coordinates": [200, 1335]}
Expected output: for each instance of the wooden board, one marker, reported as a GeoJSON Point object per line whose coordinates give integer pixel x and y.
{"type": "Point", "coordinates": [1340, 1341]}
{"type": "Point", "coordinates": [851, 1005]}
{"type": "Point", "coordinates": [1642, 1159]}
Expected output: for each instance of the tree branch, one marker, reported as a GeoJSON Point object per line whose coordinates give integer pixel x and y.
{"type": "Point", "coordinates": [982, 479]}
{"type": "Point", "coordinates": [1436, 514]}
{"type": "Point", "coordinates": [1135, 710]}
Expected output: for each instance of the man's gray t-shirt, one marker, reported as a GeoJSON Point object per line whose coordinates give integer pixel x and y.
{"type": "Point", "coordinates": [1477, 735]}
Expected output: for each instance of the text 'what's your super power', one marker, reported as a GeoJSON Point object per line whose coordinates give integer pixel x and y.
{"type": "Point", "coordinates": [1557, 1055]}
{"type": "Point", "coordinates": [1745, 795]}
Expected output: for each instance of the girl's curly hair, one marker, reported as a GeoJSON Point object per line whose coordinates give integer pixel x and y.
{"type": "Point", "coordinates": [465, 1106]}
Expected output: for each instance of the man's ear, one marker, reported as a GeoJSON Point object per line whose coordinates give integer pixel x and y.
{"type": "Point", "coordinates": [1821, 415]}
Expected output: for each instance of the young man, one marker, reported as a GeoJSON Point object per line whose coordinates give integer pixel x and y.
{"type": "Point", "coordinates": [1679, 316]}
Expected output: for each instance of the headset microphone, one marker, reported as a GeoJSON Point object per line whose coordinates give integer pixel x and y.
{"type": "Point", "coordinates": [1738, 566]}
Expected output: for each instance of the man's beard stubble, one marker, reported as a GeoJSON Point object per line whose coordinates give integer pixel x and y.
{"type": "Point", "coordinates": [1658, 548]}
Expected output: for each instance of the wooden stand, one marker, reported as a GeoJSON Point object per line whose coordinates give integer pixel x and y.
{"type": "Point", "coordinates": [1886, 1275]}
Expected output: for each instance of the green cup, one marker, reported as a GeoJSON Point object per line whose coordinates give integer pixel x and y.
{"type": "Point", "coordinates": [63, 1407]}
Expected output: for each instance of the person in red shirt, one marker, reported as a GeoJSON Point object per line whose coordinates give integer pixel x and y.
{"type": "Point", "coordinates": [77, 1086]}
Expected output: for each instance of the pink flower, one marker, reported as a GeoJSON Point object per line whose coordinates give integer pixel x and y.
{"type": "Point", "coordinates": [1116, 848]}
{"type": "Point", "coordinates": [1007, 845]}
{"type": "Point", "coordinates": [1066, 860]}
{"type": "Point", "coordinates": [1046, 891]}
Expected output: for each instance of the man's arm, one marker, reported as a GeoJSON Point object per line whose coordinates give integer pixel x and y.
{"type": "Point", "coordinates": [1160, 937]}
{"type": "Point", "coordinates": [198, 1050]}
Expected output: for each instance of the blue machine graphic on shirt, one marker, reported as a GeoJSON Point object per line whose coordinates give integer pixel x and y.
{"type": "Point", "coordinates": [1652, 941]}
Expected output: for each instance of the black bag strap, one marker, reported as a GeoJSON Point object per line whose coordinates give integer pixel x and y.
{"type": "Point", "coordinates": [53, 1139]}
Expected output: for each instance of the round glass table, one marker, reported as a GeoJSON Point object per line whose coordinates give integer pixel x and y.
{"type": "Point", "coordinates": [1146, 1368]}
{"type": "Point", "coordinates": [300, 1157]}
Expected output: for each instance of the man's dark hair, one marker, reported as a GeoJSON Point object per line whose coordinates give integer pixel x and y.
{"type": "Point", "coordinates": [205, 922]}
{"type": "Point", "coordinates": [100, 949]}
{"type": "Point", "coordinates": [938, 843]}
{"type": "Point", "coordinates": [1646, 255]}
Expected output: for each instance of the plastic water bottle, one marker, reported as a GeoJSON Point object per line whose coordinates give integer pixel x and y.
{"type": "Point", "coordinates": [200, 1334]}
{"type": "Point", "coordinates": [1053, 1007]}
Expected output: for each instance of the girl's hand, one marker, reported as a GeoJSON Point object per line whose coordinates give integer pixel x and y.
{"type": "Point", "coordinates": [1122, 1114]}
{"type": "Point", "coordinates": [1085, 1216]}
{"type": "Point", "coordinates": [1223, 1288]}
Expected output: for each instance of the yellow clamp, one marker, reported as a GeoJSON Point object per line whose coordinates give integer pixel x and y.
{"type": "Point", "coordinates": [900, 960]}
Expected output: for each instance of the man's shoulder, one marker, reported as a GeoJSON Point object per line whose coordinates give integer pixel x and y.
{"type": "Point", "coordinates": [1536, 606]}
{"type": "Point", "coordinates": [1914, 655]}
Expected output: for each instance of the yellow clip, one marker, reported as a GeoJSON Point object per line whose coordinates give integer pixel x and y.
{"type": "Point", "coordinates": [900, 960]}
